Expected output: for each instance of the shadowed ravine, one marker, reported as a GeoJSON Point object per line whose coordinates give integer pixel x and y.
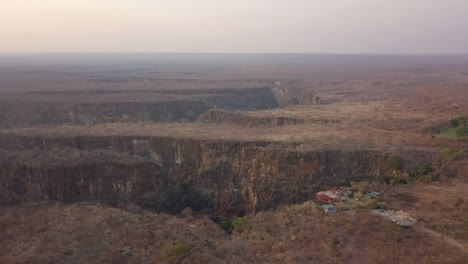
{"type": "Point", "coordinates": [167, 174]}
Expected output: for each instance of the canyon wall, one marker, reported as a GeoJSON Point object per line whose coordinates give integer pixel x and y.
{"type": "Point", "coordinates": [167, 106]}
{"type": "Point", "coordinates": [167, 174]}
{"type": "Point", "coordinates": [214, 116]}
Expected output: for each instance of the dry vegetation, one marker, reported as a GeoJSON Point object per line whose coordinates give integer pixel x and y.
{"type": "Point", "coordinates": [91, 233]}
{"type": "Point", "coordinates": [338, 103]}
{"type": "Point", "coordinates": [366, 113]}
{"type": "Point", "coordinates": [311, 136]}
{"type": "Point", "coordinates": [441, 208]}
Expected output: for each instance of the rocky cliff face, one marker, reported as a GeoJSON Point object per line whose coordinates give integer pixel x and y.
{"type": "Point", "coordinates": [28, 114]}
{"type": "Point", "coordinates": [177, 105]}
{"type": "Point", "coordinates": [223, 117]}
{"type": "Point", "coordinates": [167, 174]}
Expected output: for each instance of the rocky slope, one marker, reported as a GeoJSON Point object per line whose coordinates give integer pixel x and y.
{"type": "Point", "coordinates": [167, 174]}
{"type": "Point", "coordinates": [154, 106]}
{"type": "Point", "coordinates": [224, 117]}
{"type": "Point", "coordinates": [92, 233]}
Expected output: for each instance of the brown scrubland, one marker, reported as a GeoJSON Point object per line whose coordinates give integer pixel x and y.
{"type": "Point", "coordinates": [155, 159]}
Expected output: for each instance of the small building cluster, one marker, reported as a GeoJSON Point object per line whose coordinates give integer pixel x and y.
{"type": "Point", "coordinates": [400, 218]}
{"type": "Point", "coordinates": [346, 198]}
{"type": "Point", "coordinates": [344, 195]}
{"type": "Point", "coordinates": [329, 208]}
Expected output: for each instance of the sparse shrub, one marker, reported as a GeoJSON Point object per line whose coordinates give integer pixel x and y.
{"type": "Point", "coordinates": [364, 203]}
{"type": "Point", "coordinates": [371, 203]}
{"type": "Point", "coordinates": [460, 121]}
{"type": "Point", "coordinates": [458, 127]}
{"type": "Point", "coordinates": [454, 122]}
{"type": "Point", "coordinates": [423, 169]}
{"type": "Point", "coordinates": [446, 153]}
{"type": "Point", "coordinates": [427, 260]}
{"type": "Point", "coordinates": [449, 154]}
{"type": "Point", "coordinates": [382, 179]}
{"type": "Point", "coordinates": [345, 183]}
{"type": "Point", "coordinates": [360, 186]}
{"type": "Point", "coordinates": [394, 162]}
{"type": "Point", "coordinates": [399, 181]}
{"type": "Point", "coordinates": [240, 224]}
{"type": "Point", "coordinates": [461, 131]}
{"type": "Point", "coordinates": [422, 173]}
{"type": "Point", "coordinates": [226, 225]}
{"type": "Point", "coordinates": [358, 195]}
{"type": "Point", "coordinates": [308, 206]}
{"type": "Point", "coordinates": [340, 205]}
{"type": "Point", "coordinates": [294, 101]}
{"type": "Point", "coordinates": [175, 252]}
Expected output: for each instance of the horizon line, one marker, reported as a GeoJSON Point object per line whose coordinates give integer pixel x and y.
{"type": "Point", "coordinates": [238, 53]}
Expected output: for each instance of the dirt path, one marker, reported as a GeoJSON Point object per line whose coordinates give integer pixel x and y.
{"type": "Point", "coordinates": [352, 246]}
{"type": "Point", "coordinates": [450, 241]}
{"type": "Point", "coordinates": [383, 130]}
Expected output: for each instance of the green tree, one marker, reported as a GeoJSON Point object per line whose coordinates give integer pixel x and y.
{"type": "Point", "coordinates": [240, 224]}
{"type": "Point", "coordinates": [454, 122]}
{"type": "Point", "coordinates": [226, 225]}
{"type": "Point", "coordinates": [398, 181]}
{"type": "Point", "coordinates": [449, 154]}
{"type": "Point", "coordinates": [176, 252]}
{"type": "Point", "coordinates": [360, 186]}
{"type": "Point", "coordinates": [394, 162]}
{"type": "Point", "coordinates": [423, 170]}
{"type": "Point", "coordinates": [461, 131]}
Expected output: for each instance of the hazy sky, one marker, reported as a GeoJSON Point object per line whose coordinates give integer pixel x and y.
{"type": "Point", "coordinates": [318, 26]}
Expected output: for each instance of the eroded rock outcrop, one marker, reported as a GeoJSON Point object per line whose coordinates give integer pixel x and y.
{"type": "Point", "coordinates": [169, 174]}
{"type": "Point", "coordinates": [223, 117]}
{"type": "Point", "coordinates": [168, 106]}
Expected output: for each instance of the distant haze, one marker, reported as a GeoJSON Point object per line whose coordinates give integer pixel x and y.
{"type": "Point", "coordinates": [238, 26]}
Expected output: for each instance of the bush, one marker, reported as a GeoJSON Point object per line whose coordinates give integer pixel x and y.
{"type": "Point", "coordinates": [399, 181]}
{"type": "Point", "coordinates": [461, 131]}
{"type": "Point", "coordinates": [423, 170]}
{"type": "Point", "coordinates": [427, 260]}
{"type": "Point", "coordinates": [371, 203]}
{"type": "Point", "coordinates": [454, 122]}
{"type": "Point", "coordinates": [382, 179]}
{"type": "Point", "coordinates": [240, 224]}
{"type": "Point", "coordinates": [460, 121]}
{"type": "Point", "coordinates": [422, 173]}
{"type": "Point", "coordinates": [360, 186]}
{"type": "Point", "coordinates": [345, 183]}
{"type": "Point", "coordinates": [394, 162]}
{"type": "Point", "coordinates": [358, 195]}
{"type": "Point", "coordinates": [175, 252]}
{"type": "Point", "coordinates": [226, 225]}
{"type": "Point", "coordinates": [459, 127]}
{"type": "Point", "coordinates": [449, 154]}
{"type": "Point", "coordinates": [294, 101]}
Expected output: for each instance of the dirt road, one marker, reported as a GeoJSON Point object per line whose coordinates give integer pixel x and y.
{"type": "Point", "coordinates": [449, 241]}
{"type": "Point", "coordinates": [357, 253]}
